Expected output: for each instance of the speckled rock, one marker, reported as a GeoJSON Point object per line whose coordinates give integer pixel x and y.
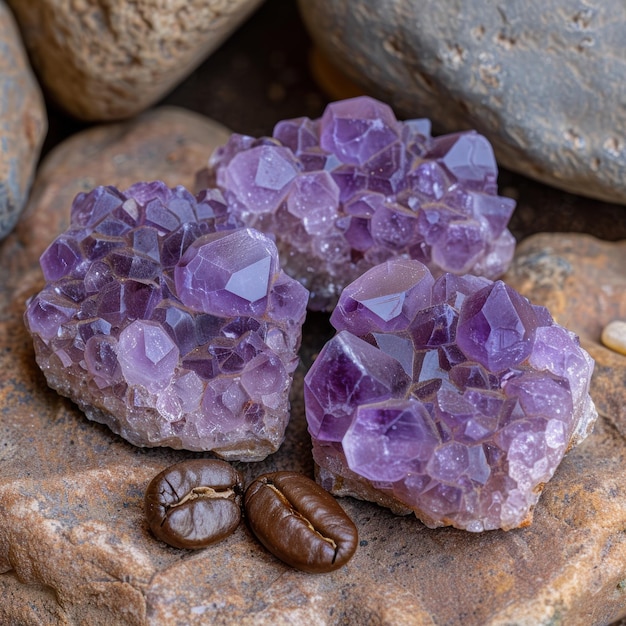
{"type": "Point", "coordinates": [110, 59]}
{"type": "Point", "coordinates": [23, 123]}
{"type": "Point", "coordinates": [542, 80]}
{"type": "Point", "coordinates": [582, 281]}
{"type": "Point", "coordinates": [74, 546]}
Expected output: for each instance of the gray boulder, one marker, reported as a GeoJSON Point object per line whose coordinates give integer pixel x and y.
{"type": "Point", "coordinates": [23, 123]}
{"type": "Point", "coordinates": [544, 80]}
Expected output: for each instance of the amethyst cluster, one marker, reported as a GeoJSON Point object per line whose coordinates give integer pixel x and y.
{"type": "Point", "coordinates": [165, 320]}
{"type": "Point", "coordinates": [356, 187]}
{"type": "Point", "coordinates": [455, 397]}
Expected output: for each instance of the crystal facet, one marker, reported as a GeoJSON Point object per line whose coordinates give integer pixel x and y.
{"type": "Point", "coordinates": [453, 397]}
{"type": "Point", "coordinates": [356, 187]}
{"type": "Point", "coordinates": [166, 320]}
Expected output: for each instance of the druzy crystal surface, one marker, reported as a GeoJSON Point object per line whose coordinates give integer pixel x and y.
{"type": "Point", "coordinates": [166, 320]}
{"type": "Point", "coordinates": [452, 397]}
{"type": "Point", "coordinates": [356, 187]}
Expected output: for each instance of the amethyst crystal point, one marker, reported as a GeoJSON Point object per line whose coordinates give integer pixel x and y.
{"type": "Point", "coordinates": [455, 398]}
{"type": "Point", "coordinates": [349, 371]}
{"type": "Point", "coordinates": [227, 274]}
{"type": "Point", "coordinates": [356, 187]}
{"type": "Point", "coordinates": [385, 439]}
{"type": "Point", "coordinates": [387, 298]}
{"type": "Point", "coordinates": [496, 327]}
{"type": "Point", "coordinates": [167, 321]}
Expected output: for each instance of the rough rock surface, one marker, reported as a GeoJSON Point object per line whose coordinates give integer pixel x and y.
{"type": "Point", "coordinates": [74, 547]}
{"type": "Point", "coordinates": [23, 123]}
{"type": "Point", "coordinates": [581, 280]}
{"type": "Point", "coordinates": [476, 65]}
{"type": "Point", "coordinates": [107, 60]}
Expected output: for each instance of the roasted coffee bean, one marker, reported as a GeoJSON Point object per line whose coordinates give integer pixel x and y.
{"type": "Point", "coordinates": [299, 522]}
{"type": "Point", "coordinates": [194, 503]}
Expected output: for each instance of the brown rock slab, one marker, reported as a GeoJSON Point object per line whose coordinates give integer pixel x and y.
{"type": "Point", "coordinates": [74, 547]}
{"type": "Point", "coordinates": [543, 80]}
{"type": "Point", "coordinates": [23, 122]}
{"type": "Point", "coordinates": [104, 60]}
{"type": "Point", "coordinates": [582, 280]}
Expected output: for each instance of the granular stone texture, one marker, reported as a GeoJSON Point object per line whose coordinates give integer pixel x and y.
{"type": "Point", "coordinates": [164, 321]}
{"type": "Point", "coordinates": [456, 398]}
{"type": "Point", "coordinates": [356, 187]}
{"type": "Point", "coordinates": [107, 60]}
{"type": "Point", "coordinates": [543, 81]}
{"type": "Point", "coordinates": [23, 123]}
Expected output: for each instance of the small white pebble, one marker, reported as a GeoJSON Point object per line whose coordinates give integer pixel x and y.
{"type": "Point", "coordinates": [614, 336]}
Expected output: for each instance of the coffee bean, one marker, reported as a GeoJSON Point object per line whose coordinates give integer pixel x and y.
{"type": "Point", "coordinates": [194, 503]}
{"type": "Point", "coordinates": [299, 522]}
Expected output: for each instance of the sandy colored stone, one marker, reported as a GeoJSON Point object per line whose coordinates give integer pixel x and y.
{"type": "Point", "coordinates": [23, 122]}
{"type": "Point", "coordinates": [75, 549]}
{"type": "Point", "coordinates": [614, 336]}
{"type": "Point", "coordinates": [111, 59]}
{"type": "Point", "coordinates": [582, 280]}
{"type": "Point", "coordinates": [543, 80]}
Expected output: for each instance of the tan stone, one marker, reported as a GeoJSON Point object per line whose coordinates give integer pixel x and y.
{"type": "Point", "coordinates": [110, 59]}
{"type": "Point", "coordinates": [23, 123]}
{"type": "Point", "coordinates": [75, 549]}
{"type": "Point", "coordinates": [614, 336]}
{"type": "Point", "coordinates": [543, 79]}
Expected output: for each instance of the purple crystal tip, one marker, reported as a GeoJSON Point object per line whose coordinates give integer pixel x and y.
{"type": "Point", "coordinates": [453, 397]}
{"type": "Point", "coordinates": [165, 319]}
{"type": "Point", "coordinates": [357, 187]}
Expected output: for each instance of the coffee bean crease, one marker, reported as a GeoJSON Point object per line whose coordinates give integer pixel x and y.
{"type": "Point", "coordinates": [299, 522]}
{"type": "Point", "coordinates": [194, 503]}
{"type": "Point", "coordinates": [294, 511]}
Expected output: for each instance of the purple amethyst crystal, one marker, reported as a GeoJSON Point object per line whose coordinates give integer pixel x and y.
{"type": "Point", "coordinates": [356, 187]}
{"type": "Point", "coordinates": [454, 398]}
{"type": "Point", "coordinates": [167, 321]}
